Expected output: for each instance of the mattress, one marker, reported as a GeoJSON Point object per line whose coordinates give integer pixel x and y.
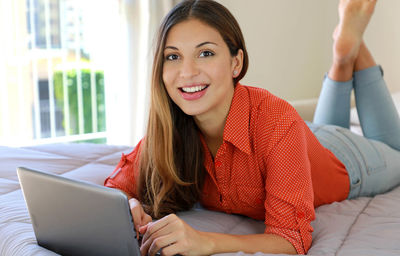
{"type": "Point", "coordinates": [364, 226]}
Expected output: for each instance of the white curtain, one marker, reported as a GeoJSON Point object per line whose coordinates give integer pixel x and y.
{"type": "Point", "coordinates": [128, 103]}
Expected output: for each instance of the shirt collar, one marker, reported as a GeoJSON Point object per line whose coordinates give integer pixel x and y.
{"type": "Point", "coordinates": [236, 129]}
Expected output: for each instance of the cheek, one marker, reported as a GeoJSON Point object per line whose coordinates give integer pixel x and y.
{"type": "Point", "coordinates": [165, 75]}
{"type": "Point", "coordinates": [169, 75]}
{"type": "Point", "coordinates": [220, 71]}
{"type": "Point", "coordinates": [168, 79]}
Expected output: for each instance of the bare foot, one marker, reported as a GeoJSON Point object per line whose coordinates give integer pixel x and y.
{"type": "Point", "coordinates": [354, 17]}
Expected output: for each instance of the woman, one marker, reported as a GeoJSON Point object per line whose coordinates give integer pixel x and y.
{"type": "Point", "coordinates": [240, 149]}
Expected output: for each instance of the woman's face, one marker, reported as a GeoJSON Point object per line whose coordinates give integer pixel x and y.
{"type": "Point", "coordinates": [199, 69]}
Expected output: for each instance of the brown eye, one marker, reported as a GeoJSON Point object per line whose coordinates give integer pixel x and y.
{"type": "Point", "coordinates": [172, 57]}
{"type": "Point", "coordinates": [206, 54]}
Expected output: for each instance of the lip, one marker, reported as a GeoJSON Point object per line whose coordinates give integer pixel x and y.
{"type": "Point", "coordinates": [195, 95]}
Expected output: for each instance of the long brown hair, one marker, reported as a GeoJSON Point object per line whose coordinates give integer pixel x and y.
{"type": "Point", "coordinates": [171, 160]}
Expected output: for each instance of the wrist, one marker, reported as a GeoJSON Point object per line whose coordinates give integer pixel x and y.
{"type": "Point", "coordinates": [209, 243]}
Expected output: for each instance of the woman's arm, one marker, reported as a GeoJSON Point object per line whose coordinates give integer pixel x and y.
{"type": "Point", "coordinates": [266, 243]}
{"type": "Point", "coordinates": [126, 173]}
{"type": "Point", "coordinates": [174, 236]}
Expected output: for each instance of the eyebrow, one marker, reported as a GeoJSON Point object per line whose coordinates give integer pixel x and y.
{"type": "Point", "coordinates": [197, 46]}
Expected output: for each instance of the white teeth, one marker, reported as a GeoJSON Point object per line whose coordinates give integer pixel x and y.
{"type": "Point", "coordinates": [194, 88]}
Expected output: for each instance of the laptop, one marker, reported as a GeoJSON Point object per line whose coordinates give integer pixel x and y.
{"type": "Point", "coordinates": [72, 217]}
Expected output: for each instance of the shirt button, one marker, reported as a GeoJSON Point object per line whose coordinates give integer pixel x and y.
{"type": "Point", "coordinates": [259, 201]}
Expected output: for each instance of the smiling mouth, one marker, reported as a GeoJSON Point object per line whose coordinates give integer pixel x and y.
{"type": "Point", "coordinates": [193, 89]}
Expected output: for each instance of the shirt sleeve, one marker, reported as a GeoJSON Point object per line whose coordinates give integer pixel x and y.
{"type": "Point", "coordinates": [289, 193]}
{"type": "Point", "coordinates": [126, 173]}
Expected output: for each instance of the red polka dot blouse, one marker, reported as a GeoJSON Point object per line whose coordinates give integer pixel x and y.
{"type": "Point", "coordinates": [270, 167]}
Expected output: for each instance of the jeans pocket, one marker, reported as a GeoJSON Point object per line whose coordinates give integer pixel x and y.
{"type": "Point", "coordinates": [370, 156]}
{"type": "Point", "coordinates": [333, 140]}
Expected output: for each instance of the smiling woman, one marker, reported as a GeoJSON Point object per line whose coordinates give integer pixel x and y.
{"type": "Point", "coordinates": [240, 149]}
{"type": "Point", "coordinates": [171, 167]}
{"type": "Point", "coordinates": [179, 65]}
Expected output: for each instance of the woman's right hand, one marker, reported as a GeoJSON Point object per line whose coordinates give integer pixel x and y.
{"type": "Point", "coordinates": [140, 218]}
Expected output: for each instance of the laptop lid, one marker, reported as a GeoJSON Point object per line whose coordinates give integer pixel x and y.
{"type": "Point", "coordinates": [72, 217]}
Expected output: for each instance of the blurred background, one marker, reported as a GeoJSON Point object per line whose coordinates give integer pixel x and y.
{"type": "Point", "coordinates": [78, 70]}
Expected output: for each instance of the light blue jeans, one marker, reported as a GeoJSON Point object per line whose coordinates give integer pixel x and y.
{"type": "Point", "coordinates": [372, 161]}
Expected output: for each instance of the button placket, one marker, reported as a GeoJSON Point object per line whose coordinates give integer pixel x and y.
{"type": "Point", "coordinates": [221, 175]}
{"type": "Point", "coordinates": [220, 172]}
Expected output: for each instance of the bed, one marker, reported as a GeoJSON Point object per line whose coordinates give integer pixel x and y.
{"type": "Point", "coordinates": [364, 226]}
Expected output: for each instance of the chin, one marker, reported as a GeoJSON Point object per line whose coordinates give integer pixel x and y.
{"type": "Point", "coordinates": [192, 112]}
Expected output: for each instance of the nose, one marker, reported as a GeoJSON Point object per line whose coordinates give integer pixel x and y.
{"type": "Point", "coordinates": [189, 68]}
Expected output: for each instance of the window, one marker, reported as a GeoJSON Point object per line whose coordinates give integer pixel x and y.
{"type": "Point", "coordinates": [74, 70]}
{"type": "Point", "coordinates": [52, 79]}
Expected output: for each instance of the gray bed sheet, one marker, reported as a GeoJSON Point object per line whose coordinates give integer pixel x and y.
{"type": "Point", "coordinates": [364, 226]}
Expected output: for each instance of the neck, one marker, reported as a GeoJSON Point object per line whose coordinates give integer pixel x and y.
{"type": "Point", "coordinates": [212, 128]}
{"type": "Point", "coordinates": [213, 132]}
{"type": "Point", "coordinates": [212, 125]}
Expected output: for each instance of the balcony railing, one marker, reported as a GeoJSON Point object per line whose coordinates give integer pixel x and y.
{"type": "Point", "coordinates": [50, 90]}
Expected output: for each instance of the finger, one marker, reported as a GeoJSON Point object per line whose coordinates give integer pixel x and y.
{"type": "Point", "coordinates": [143, 229]}
{"type": "Point", "coordinates": [161, 243]}
{"type": "Point", "coordinates": [150, 236]}
{"type": "Point", "coordinates": [136, 218]}
{"type": "Point", "coordinates": [144, 248]}
{"type": "Point", "coordinates": [136, 213]}
{"type": "Point", "coordinates": [173, 249]}
{"type": "Point", "coordinates": [156, 226]}
{"type": "Point", "coordinates": [146, 219]}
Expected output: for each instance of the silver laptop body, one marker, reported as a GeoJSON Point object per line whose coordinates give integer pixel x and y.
{"type": "Point", "coordinates": [73, 217]}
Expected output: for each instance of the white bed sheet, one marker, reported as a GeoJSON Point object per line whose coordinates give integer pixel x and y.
{"type": "Point", "coordinates": [364, 226]}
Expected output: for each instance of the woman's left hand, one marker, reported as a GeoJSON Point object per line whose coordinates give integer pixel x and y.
{"type": "Point", "coordinates": [173, 236]}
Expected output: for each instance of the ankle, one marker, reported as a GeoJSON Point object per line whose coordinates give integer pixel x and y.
{"type": "Point", "coordinates": [342, 71]}
{"type": "Point", "coordinates": [345, 51]}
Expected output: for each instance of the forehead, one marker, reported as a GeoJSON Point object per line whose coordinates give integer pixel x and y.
{"type": "Point", "coordinates": [192, 32]}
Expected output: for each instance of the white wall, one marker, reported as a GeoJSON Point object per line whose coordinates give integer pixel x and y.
{"type": "Point", "coordinates": [289, 43]}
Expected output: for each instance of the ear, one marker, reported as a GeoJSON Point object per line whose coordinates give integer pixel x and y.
{"type": "Point", "coordinates": [237, 63]}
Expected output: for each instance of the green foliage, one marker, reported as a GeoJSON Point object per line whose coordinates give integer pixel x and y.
{"type": "Point", "coordinates": [72, 89]}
